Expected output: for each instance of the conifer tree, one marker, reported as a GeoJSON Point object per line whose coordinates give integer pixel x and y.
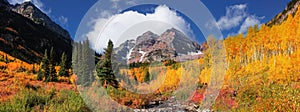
{"type": "Point", "coordinates": [104, 68]}
{"type": "Point", "coordinates": [75, 58]}
{"type": "Point", "coordinates": [63, 71]}
{"type": "Point", "coordinates": [6, 59]}
{"type": "Point", "coordinates": [44, 67]}
{"type": "Point", "coordinates": [52, 72]}
{"type": "Point", "coordinates": [82, 60]}
{"type": "Point", "coordinates": [147, 77]}
{"type": "Point", "coordinates": [40, 75]}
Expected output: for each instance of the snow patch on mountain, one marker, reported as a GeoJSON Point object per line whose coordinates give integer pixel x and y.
{"type": "Point", "coordinates": [195, 53]}
{"type": "Point", "coordinates": [143, 55]}
{"type": "Point", "coordinates": [129, 53]}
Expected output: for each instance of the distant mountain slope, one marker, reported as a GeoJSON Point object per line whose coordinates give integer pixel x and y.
{"type": "Point", "coordinates": [24, 39]}
{"type": "Point", "coordinates": [290, 9]}
{"type": "Point", "coordinates": [29, 10]}
{"type": "Point", "coordinates": [148, 47]}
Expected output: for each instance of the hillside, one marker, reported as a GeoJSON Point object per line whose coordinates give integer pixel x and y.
{"type": "Point", "coordinates": [263, 68]}
{"type": "Point", "coordinates": [291, 8]}
{"type": "Point", "coordinates": [25, 39]}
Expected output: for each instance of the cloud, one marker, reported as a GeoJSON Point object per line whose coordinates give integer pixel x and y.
{"type": "Point", "coordinates": [115, 3]}
{"type": "Point", "coordinates": [250, 21]}
{"type": "Point", "coordinates": [131, 24]}
{"type": "Point", "coordinates": [131, 2]}
{"type": "Point", "coordinates": [63, 20]}
{"type": "Point", "coordinates": [237, 16]}
{"type": "Point", "coordinates": [37, 3]}
{"type": "Point", "coordinates": [234, 16]}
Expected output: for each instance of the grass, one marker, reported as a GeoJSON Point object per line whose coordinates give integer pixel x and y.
{"type": "Point", "coordinates": [51, 101]}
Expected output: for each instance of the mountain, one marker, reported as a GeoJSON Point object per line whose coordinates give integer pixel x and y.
{"type": "Point", "coordinates": [172, 44]}
{"type": "Point", "coordinates": [29, 10]}
{"type": "Point", "coordinates": [24, 38]}
{"type": "Point", "coordinates": [291, 8]}
{"type": "Point", "coordinates": [123, 51]}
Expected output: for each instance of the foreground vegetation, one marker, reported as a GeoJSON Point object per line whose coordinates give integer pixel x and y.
{"type": "Point", "coordinates": [40, 100]}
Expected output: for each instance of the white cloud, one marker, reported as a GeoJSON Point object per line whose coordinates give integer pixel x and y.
{"type": "Point", "coordinates": [250, 21]}
{"type": "Point", "coordinates": [37, 3]}
{"type": "Point", "coordinates": [131, 2]}
{"type": "Point", "coordinates": [234, 16]}
{"type": "Point", "coordinates": [63, 20]}
{"type": "Point", "coordinates": [115, 3]}
{"type": "Point", "coordinates": [131, 24]}
{"type": "Point", "coordinates": [237, 16]}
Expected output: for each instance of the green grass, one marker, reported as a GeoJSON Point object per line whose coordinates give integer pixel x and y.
{"type": "Point", "coordinates": [29, 100]}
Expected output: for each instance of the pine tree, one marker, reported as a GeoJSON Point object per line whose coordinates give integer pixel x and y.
{"type": "Point", "coordinates": [40, 75]}
{"type": "Point", "coordinates": [82, 61]}
{"type": "Point", "coordinates": [104, 68]}
{"type": "Point", "coordinates": [33, 69]}
{"type": "Point", "coordinates": [52, 72]}
{"type": "Point", "coordinates": [63, 71]}
{"type": "Point", "coordinates": [75, 55]}
{"type": "Point", "coordinates": [147, 77]}
{"type": "Point", "coordinates": [44, 66]}
{"type": "Point", "coordinates": [6, 59]}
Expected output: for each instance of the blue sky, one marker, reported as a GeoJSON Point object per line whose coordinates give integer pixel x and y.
{"type": "Point", "coordinates": [68, 13]}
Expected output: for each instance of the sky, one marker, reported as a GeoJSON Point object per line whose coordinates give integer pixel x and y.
{"type": "Point", "coordinates": [231, 16]}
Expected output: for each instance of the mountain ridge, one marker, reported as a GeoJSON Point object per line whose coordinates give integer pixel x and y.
{"type": "Point", "coordinates": [291, 8]}
{"type": "Point", "coordinates": [148, 47]}
{"type": "Point", "coordinates": [22, 38]}
{"type": "Point", "coordinates": [29, 10]}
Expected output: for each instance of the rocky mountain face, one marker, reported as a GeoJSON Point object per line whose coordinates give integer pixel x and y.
{"type": "Point", "coordinates": [29, 10]}
{"type": "Point", "coordinates": [291, 8]}
{"type": "Point", "coordinates": [26, 39]}
{"type": "Point", "coordinates": [148, 47]}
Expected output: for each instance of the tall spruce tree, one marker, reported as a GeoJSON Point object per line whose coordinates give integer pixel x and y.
{"type": "Point", "coordinates": [87, 55]}
{"type": "Point", "coordinates": [63, 71]}
{"type": "Point", "coordinates": [40, 75]}
{"type": "Point", "coordinates": [104, 68]}
{"type": "Point", "coordinates": [75, 59]}
{"type": "Point", "coordinates": [44, 67]}
{"type": "Point", "coordinates": [52, 72]}
{"type": "Point", "coordinates": [82, 63]}
{"type": "Point", "coordinates": [147, 77]}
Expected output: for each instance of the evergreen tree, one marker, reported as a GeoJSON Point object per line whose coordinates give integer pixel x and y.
{"type": "Point", "coordinates": [104, 68]}
{"type": "Point", "coordinates": [147, 77]}
{"type": "Point", "coordinates": [44, 66]}
{"type": "Point", "coordinates": [83, 63]}
{"type": "Point", "coordinates": [6, 59]}
{"type": "Point", "coordinates": [75, 59]}
{"type": "Point", "coordinates": [63, 71]}
{"type": "Point", "coordinates": [52, 72]}
{"type": "Point", "coordinates": [40, 75]}
{"type": "Point", "coordinates": [33, 69]}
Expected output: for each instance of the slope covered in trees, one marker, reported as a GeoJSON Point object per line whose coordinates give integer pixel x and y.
{"type": "Point", "coordinates": [263, 68]}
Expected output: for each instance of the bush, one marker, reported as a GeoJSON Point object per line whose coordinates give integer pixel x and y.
{"type": "Point", "coordinates": [31, 100]}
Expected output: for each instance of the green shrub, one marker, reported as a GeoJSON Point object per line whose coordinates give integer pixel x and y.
{"type": "Point", "coordinates": [30, 100]}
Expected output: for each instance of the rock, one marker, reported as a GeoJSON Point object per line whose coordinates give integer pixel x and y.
{"type": "Point", "coordinates": [29, 10]}
{"type": "Point", "coordinates": [150, 47]}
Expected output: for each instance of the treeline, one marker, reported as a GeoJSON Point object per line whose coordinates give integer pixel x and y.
{"type": "Point", "coordinates": [84, 67]}
{"type": "Point", "coordinates": [263, 67]}
{"type": "Point", "coordinates": [168, 62]}
{"type": "Point", "coordinates": [83, 63]}
{"type": "Point", "coordinates": [47, 71]}
{"type": "Point", "coordinates": [4, 58]}
{"type": "Point", "coordinates": [266, 42]}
